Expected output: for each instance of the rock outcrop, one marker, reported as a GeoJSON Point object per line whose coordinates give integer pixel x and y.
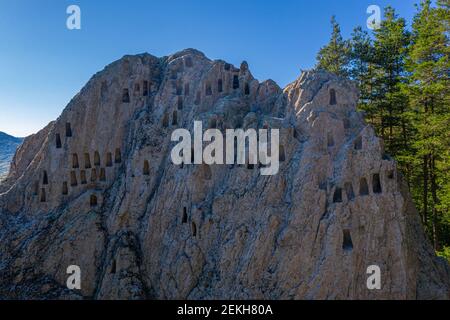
{"type": "Point", "coordinates": [8, 146]}
{"type": "Point", "coordinates": [96, 188]}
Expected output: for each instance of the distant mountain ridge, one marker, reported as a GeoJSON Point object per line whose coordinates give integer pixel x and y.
{"type": "Point", "coordinates": [8, 146]}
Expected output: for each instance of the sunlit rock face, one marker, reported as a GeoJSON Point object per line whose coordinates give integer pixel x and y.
{"type": "Point", "coordinates": [97, 188]}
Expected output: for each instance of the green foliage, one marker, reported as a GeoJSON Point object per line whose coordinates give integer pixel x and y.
{"type": "Point", "coordinates": [334, 56]}
{"type": "Point", "coordinates": [403, 78]}
{"type": "Point", "coordinates": [444, 253]}
{"type": "Point", "coordinates": [428, 91]}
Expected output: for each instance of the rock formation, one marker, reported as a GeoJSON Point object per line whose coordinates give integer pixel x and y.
{"type": "Point", "coordinates": [8, 146]}
{"type": "Point", "coordinates": [96, 188]}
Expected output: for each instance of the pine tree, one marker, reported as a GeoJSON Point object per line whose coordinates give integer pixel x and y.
{"type": "Point", "coordinates": [334, 56]}
{"type": "Point", "coordinates": [378, 67]}
{"type": "Point", "coordinates": [361, 69]}
{"type": "Point", "coordinates": [390, 50]}
{"type": "Point", "coordinates": [429, 93]}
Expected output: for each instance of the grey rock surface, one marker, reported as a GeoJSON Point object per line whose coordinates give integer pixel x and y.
{"type": "Point", "coordinates": [96, 188]}
{"type": "Point", "coordinates": [8, 146]}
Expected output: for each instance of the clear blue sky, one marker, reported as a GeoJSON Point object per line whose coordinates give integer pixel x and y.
{"type": "Point", "coordinates": [43, 64]}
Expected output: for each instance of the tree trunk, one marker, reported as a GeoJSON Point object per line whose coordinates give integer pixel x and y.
{"type": "Point", "coordinates": [425, 191]}
{"type": "Point", "coordinates": [405, 147]}
{"type": "Point", "coordinates": [435, 200]}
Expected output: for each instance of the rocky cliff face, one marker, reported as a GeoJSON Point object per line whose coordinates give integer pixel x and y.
{"type": "Point", "coordinates": [8, 146]}
{"type": "Point", "coordinates": [97, 189]}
